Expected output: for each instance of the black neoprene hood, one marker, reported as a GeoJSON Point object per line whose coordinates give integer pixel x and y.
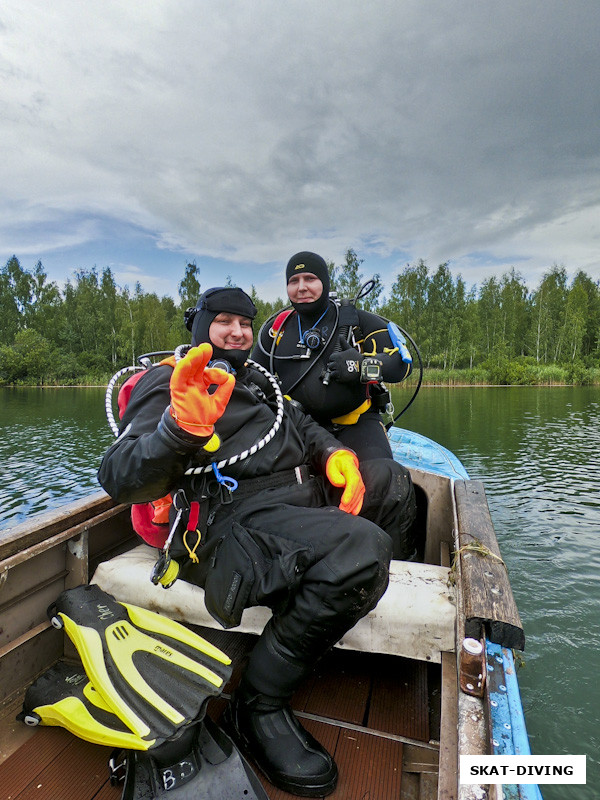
{"type": "Point", "coordinates": [306, 261]}
{"type": "Point", "coordinates": [229, 299]}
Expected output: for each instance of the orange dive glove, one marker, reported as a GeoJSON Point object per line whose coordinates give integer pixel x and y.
{"type": "Point", "coordinates": [192, 407]}
{"type": "Point", "coordinates": [342, 470]}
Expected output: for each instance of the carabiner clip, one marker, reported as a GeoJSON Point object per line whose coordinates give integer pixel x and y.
{"type": "Point", "coordinates": [180, 501]}
{"type": "Point", "coordinates": [228, 483]}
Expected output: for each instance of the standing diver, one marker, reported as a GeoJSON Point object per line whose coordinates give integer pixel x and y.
{"type": "Point", "coordinates": [333, 358]}
{"type": "Point", "coordinates": [288, 523]}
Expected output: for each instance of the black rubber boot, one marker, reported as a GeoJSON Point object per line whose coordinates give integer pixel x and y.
{"type": "Point", "coordinates": [261, 722]}
{"type": "Point", "coordinates": [267, 731]}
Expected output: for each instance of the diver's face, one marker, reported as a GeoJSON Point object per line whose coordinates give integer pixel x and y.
{"type": "Point", "coordinates": [304, 288]}
{"type": "Point", "coordinates": [231, 331]}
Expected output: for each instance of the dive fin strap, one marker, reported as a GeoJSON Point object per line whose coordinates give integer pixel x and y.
{"type": "Point", "coordinates": [206, 764]}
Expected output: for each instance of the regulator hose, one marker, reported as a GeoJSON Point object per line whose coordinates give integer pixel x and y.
{"type": "Point", "coordinates": [419, 382]}
{"type": "Point", "coordinates": [179, 353]}
{"type": "Point", "coordinates": [261, 442]}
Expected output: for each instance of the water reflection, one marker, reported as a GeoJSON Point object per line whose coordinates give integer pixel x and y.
{"type": "Point", "coordinates": [51, 442]}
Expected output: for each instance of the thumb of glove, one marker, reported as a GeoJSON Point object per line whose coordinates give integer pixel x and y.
{"type": "Point", "coordinates": [342, 470]}
{"type": "Point", "coordinates": [344, 364]}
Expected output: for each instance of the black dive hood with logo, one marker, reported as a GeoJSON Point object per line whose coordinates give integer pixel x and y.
{"type": "Point", "coordinates": [315, 264]}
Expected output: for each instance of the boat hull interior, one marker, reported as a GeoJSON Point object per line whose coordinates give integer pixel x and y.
{"type": "Point", "coordinates": [386, 701]}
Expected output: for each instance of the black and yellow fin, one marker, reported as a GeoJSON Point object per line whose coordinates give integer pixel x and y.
{"type": "Point", "coordinates": [63, 696]}
{"type": "Point", "coordinates": [154, 673]}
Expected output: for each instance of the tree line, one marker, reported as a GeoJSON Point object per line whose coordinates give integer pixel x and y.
{"type": "Point", "coordinates": [499, 331]}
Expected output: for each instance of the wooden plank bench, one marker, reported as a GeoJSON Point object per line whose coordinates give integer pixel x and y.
{"type": "Point", "coordinates": [415, 618]}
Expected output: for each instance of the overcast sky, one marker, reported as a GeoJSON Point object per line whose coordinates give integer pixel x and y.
{"type": "Point", "coordinates": [141, 134]}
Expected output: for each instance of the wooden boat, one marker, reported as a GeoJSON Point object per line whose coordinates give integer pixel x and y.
{"type": "Point", "coordinates": [387, 701]}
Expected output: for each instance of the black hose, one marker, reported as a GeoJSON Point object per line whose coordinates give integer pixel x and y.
{"type": "Point", "coordinates": [419, 382]}
{"type": "Point", "coordinates": [343, 333]}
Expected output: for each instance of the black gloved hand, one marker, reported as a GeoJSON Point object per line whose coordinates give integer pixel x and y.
{"type": "Point", "coordinates": [344, 365]}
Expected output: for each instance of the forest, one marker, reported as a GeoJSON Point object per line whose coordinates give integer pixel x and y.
{"type": "Point", "coordinates": [499, 332]}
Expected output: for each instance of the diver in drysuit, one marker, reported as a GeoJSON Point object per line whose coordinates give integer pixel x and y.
{"type": "Point", "coordinates": [333, 359]}
{"type": "Point", "coordinates": [287, 524]}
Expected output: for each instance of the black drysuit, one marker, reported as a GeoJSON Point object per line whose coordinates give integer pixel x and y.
{"type": "Point", "coordinates": [303, 380]}
{"type": "Point", "coordinates": [287, 547]}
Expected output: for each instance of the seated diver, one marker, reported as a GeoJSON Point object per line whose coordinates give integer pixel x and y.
{"type": "Point", "coordinates": [318, 350]}
{"type": "Point", "coordinates": [287, 524]}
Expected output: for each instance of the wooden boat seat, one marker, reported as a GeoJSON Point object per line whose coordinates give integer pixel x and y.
{"type": "Point", "coordinates": [415, 618]}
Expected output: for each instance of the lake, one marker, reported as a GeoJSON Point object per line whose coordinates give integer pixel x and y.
{"type": "Point", "coordinates": [536, 449]}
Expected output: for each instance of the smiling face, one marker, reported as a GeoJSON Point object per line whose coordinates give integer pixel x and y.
{"type": "Point", "coordinates": [231, 331]}
{"type": "Point", "coordinates": [304, 288]}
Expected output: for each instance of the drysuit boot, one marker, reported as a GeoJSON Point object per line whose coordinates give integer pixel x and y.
{"type": "Point", "coordinates": [265, 728]}
{"type": "Point", "coordinates": [269, 733]}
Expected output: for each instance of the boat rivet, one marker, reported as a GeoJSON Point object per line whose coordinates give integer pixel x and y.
{"type": "Point", "coordinates": [502, 687]}
{"type": "Point", "coordinates": [507, 725]}
{"type": "Point", "coordinates": [495, 742]}
{"type": "Point", "coordinates": [494, 703]}
{"type": "Point", "coordinates": [499, 659]}
{"type": "Point", "coordinates": [490, 668]}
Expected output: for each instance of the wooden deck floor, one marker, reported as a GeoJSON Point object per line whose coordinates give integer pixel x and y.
{"type": "Point", "coordinates": [370, 726]}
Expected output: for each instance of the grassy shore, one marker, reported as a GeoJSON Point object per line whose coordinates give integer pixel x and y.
{"type": "Point", "coordinates": [508, 374]}
{"type": "Point", "coordinates": [511, 374]}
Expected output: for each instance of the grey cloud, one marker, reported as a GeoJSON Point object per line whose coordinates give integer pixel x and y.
{"type": "Point", "coordinates": [238, 129]}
